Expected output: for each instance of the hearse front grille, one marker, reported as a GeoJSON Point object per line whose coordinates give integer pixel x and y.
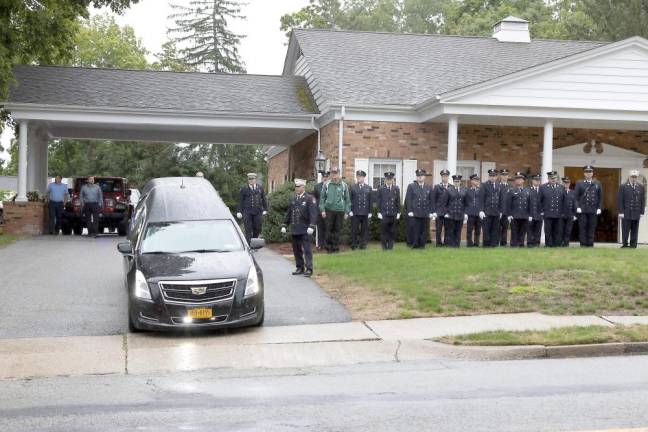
{"type": "Point", "coordinates": [197, 292]}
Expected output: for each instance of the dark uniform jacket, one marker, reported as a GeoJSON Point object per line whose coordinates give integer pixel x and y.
{"type": "Point", "coordinates": [518, 203]}
{"type": "Point", "coordinates": [472, 201]}
{"type": "Point", "coordinates": [534, 204]}
{"type": "Point", "coordinates": [388, 200]}
{"type": "Point", "coordinates": [631, 201]}
{"type": "Point", "coordinates": [490, 199]}
{"type": "Point", "coordinates": [301, 214]}
{"type": "Point", "coordinates": [419, 199]}
{"type": "Point", "coordinates": [552, 200]}
{"type": "Point", "coordinates": [569, 204]}
{"type": "Point", "coordinates": [252, 202]}
{"type": "Point", "coordinates": [455, 203]}
{"type": "Point", "coordinates": [589, 196]}
{"type": "Point", "coordinates": [505, 188]}
{"type": "Point", "coordinates": [440, 199]}
{"type": "Point", "coordinates": [361, 199]}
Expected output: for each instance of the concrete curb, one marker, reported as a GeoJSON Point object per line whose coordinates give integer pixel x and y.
{"type": "Point", "coordinates": [539, 351]}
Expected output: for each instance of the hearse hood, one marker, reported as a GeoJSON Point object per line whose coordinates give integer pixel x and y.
{"type": "Point", "coordinates": [195, 266]}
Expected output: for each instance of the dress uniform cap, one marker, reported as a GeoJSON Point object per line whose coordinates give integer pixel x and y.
{"type": "Point", "coordinates": [634, 173]}
{"type": "Point", "coordinates": [420, 172]}
{"type": "Point", "coordinates": [326, 174]}
{"type": "Point", "coordinates": [456, 178]}
{"type": "Point", "coordinates": [361, 173]}
{"type": "Point", "coordinates": [445, 172]}
{"type": "Point", "coordinates": [566, 179]}
{"type": "Point", "coordinates": [492, 172]}
{"type": "Point", "coordinates": [300, 182]}
{"type": "Point", "coordinates": [389, 175]}
{"type": "Point", "coordinates": [552, 174]}
{"type": "Point", "coordinates": [536, 177]}
{"type": "Point", "coordinates": [474, 177]}
{"type": "Point", "coordinates": [587, 168]}
{"type": "Point", "coordinates": [504, 171]}
{"type": "Point", "coordinates": [251, 176]}
{"type": "Point", "coordinates": [520, 175]}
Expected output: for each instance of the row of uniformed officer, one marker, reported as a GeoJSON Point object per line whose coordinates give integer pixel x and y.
{"type": "Point", "coordinates": [589, 199]}
{"type": "Point", "coordinates": [361, 207]}
{"type": "Point", "coordinates": [252, 206]}
{"type": "Point", "coordinates": [302, 217]}
{"type": "Point", "coordinates": [631, 204]}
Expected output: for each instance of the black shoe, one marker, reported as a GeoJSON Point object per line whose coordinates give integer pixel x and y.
{"type": "Point", "coordinates": [308, 273]}
{"type": "Point", "coordinates": [624, 246]}
{"type": "Point", "coordinates": [298, 272]}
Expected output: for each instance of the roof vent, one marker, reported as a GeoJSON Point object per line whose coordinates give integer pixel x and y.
{"type": "Point", "coordinates": [512, 29]}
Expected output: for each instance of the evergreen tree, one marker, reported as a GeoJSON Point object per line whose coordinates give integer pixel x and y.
{"type": "Point", "coordinates": [203, 37]}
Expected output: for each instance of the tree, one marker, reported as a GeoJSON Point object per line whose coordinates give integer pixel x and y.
{"type": "Point", "coordinates": [616, 20]}
{"type": "Point", "coordinates": [203, 37]}
{"type": "Point", "coordinates": [169, 59]}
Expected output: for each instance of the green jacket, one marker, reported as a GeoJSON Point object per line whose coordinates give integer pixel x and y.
{"type": "Point", "coordinates": [335, 197]}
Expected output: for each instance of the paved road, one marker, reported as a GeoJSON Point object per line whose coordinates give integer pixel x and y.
{"type": "Point", "coordinates": [539, 395]}
{"type": "Point", "coordinates": [72, 286]}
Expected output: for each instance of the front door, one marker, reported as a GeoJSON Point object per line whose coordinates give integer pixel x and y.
{"type": "Point", "coordinates": [607, 229]}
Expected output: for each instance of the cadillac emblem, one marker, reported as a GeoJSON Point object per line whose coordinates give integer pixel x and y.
{"type": "Point", "coordinates": [198, 290]}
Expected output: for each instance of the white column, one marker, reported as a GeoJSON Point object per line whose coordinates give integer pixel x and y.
{"type": "Point", "coordinates": [453, 130]}
{"type": "Point", "coordinates": [22, 162]}
{"type": "Point", "coordinates": [32, 158]}
{"type": "Point", "coordinates": [41, 175]}
{"type": "Point", "coordinates": [547, 150]}
{"type": "Point", "coordinates": [341, 140]}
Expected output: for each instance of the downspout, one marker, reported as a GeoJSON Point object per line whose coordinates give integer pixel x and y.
{"type": "Point", "coordinates": [341, 139]}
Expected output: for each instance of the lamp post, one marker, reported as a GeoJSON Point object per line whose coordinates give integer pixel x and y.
{"type": "Point", "coordinates": [320, 165]}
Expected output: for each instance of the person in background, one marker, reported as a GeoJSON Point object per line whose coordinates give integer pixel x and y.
{"type": "Point", "coordinates": [200, 174]}
{"type": "Point", "coordinates": [490, 203]}
{"type": "Point", "coordinates": [589, 199]}
{"type": "Point", "coordinates": [91, 198]}
{"type": "Point", "coordinates": [439, 202]}
{"type": "Point", "coordinates": [552, 201]}
{"type": "Point", "coordinates": [504, 222]}
{"type": "Point", "coordinates": [335, 205]}
{"type": "Point", "coordinates": [517, 210]}
{"type": "Point", "coordinates": [361, 207]}
{"type": "Point", "coordinates": [535, 216]}
{"type": "Point", "coordinates": [57, 196]}
{"type": "Point", "coordinates": [301, 216]}
{"type": "Point", "coordinates": [252, 207]}
{"type": "Point", "coordinates": [418, 201]}
{"type": "Point", "coordinates": [632, 202]}
{"type": "Point", "coordinates": [473, 227]}
{"type": "Point", "coordinates": [455, 216]}
{"type": "Point", "coordinates": [388, 211]}
{"type": "Point", "coordinates": [569, 212]}
{"type": "Point", "coordinates": [321, 225]}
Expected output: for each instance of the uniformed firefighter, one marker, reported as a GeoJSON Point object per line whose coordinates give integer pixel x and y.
{"type": "Point", "coordinates": [335, 205]}
{"type": "Point", "coordinates": [302, 217]}
{"type": "Point", "coordinates": [632, 202]}
{"type": "Point", "coordinates": [252, 207]}
{"type": "Point", "coordinates": [490, 202]}
{"type": "Point", "coordinates": [569, 212]}
{"type": "Point", "coordinates": [321, 226]}
{"type": "Point", "coordinates": [473, 226]}
{"type": "Point", "coordinates": [517, 210]}
{"type": "Point", "coordinates": [455, 216]}
{"type": "Point", "coordinates": [504, 223]}
{"type": "Point", "coordinates": [388, 203]}
{"type": "Point", "coordinates": [439, 200]}
{"type": "Point", "coordinates": [419, 208]}
{"type": "Point", "coordinates": [361, 207]}
{"type": "Point", "coordinates": [552, 197]}
{"type": "Point", "coordinates": [535, 216]}
{"type": "Point", "coordinates": [589, 198]}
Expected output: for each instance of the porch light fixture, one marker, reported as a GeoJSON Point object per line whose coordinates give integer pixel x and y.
{"type": "Point", "coordinates": [320, 162]}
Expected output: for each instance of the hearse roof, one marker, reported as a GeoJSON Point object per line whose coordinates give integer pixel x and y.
{"type": "Point", "coordinates": [183, 198]}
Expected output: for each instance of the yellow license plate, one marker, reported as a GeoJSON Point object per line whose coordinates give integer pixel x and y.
{"type": "Point", "coordinates": [200, 313]}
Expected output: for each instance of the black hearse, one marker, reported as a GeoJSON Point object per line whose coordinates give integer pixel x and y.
{"type": "Point", "coordinates": [186, 261]}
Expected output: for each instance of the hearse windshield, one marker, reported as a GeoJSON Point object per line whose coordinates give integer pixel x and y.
{"type": "Point", "coordinates": [106, 185]}
{"type": "Point", "coordinates": [191, 236]}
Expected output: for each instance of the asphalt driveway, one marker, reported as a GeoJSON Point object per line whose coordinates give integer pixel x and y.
{"type": "Point", "coordinates": [72, 286]}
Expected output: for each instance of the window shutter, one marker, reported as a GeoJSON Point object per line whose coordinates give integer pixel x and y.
{"type": "Point", "coordinates": [361, 164]}
{"type": "Point", "coordinates": [409, 175]}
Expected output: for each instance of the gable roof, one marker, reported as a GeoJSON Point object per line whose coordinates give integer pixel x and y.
{"type": "Point", "coordinates": [160, 90]}
{"type": "Point", "coordinates": [408, 69]}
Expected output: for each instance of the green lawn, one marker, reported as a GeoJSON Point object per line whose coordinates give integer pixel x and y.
{"type": "Point", "coordinates": [434, 282]}
{"type": "Point", "coordinates": [6, 239]}
{"type": "Point", "coordinates": [554, 337]}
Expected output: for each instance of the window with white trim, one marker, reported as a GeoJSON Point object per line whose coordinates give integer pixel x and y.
{"type": "Point", "coordinates": [378, 168]}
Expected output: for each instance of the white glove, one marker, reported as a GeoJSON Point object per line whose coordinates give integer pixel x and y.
{"type": "Point", "coordinates": [397, 216]}
{"type": "Point", "coordinates": [575, 218]}
{"type": "Point", "coordinates": [239, 215]}
{"type": "Point", "coordinates": [264, 213]}
{"type": "Point", "coordinates": [369, 216]}
{"type": "Point", "coordinates": [434, 215]}
{"type": "Point", "coordinates": [324, 214]}
{"type": "Point", "coordinates": [500, 215]}
{"type": "Point", "coordinates": [351, 214]}
{"type": "Point", "coordinates": [283, 230]}
{"type": "Point", "coordinates": [510, 218]}
{"type": "Point", "coordinates": [465, 219]}
{"type": "Point", "coordinates": [579, 211]}
{"type": "Point", "coordinates": [431, 216]}
{"type": "Point", "coordinates": [379, 215]}
{"type": "Point", "coordinates": [482, 215]}
{"type": "Point", "coordinates": [530, 219]}
{"type": "Point", "coordinates": [621, 215]}
{"type": "Point", "coordinates": [310, 230]}
{"type": "Point", "coordinates": [447, 216]}
{"type": "Point", "coordinates": [410, 214]}
{"type": "Point", "coordinates": [598, 211]}
{"type": "Point", "coordinates": [542, 214]}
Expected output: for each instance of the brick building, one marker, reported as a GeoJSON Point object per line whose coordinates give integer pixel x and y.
{"type": "Point", "coordinates": [406, 101]}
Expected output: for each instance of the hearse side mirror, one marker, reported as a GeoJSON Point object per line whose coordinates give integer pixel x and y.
{"type": "Point", "coordinates": [257, 243]}
{"type": "Point", "coordinates": [128, 192]}
{"type": "Point", "coordinates": [125, 248]}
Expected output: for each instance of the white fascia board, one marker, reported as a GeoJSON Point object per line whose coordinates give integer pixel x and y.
{"type": "Point", "coordinates": [635, 41]}
{"type": "Point", "coordinates": [380, 113]}
{"type": "Point", "coordinates": [76, 114]}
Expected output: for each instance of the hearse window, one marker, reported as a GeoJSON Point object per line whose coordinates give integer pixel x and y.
{"type": "Point", "coordinates": [191, 236]}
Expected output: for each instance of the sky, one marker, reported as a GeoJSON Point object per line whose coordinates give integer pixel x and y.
{"type": "Point", "coordinates": [263, 49]}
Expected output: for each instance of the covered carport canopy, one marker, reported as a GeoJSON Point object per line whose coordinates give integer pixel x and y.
{"type": "Point", "coordinates": [66, 102]}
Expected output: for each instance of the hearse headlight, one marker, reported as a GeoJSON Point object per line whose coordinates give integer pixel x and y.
{"type": "Point", "coordinates": [252, 284]}
{"type": "Point", "coordinates": [142, 290]}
